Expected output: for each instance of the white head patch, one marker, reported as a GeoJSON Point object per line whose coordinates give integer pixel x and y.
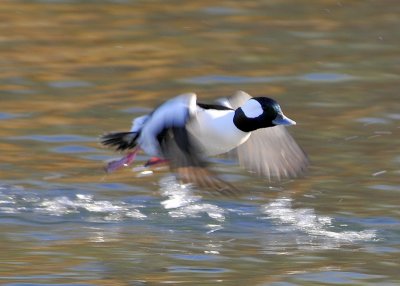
{"type": "Point", "coordinates": [252, 108]}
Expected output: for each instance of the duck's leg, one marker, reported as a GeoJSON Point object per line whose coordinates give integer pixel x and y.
{"type": "Point", "coordinates": [155, 161]}
{"type": "Point", "coordinates": [123, 162]}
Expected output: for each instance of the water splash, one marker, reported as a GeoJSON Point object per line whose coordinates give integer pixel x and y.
{"type": "Point", "coordinates": [15, 201]}
{"type": "Point", "coordinates": [61, 206]}
{"type": "Point", "coordinates": [307, 221]}
{"type": "Point", "coordinates": [182, 203]}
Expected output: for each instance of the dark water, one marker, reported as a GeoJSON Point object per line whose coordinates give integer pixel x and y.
{"type": "Point", "coordinates": [71, 70]}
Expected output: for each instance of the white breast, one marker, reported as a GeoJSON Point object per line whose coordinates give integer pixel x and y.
{"type": "Point", "coordinates": [215, 131]}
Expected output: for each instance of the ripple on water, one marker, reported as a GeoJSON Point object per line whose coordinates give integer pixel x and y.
{"type": "Point", "coordinates": [326, 77]}
{"type": "Point", "coordinates": [393, 116]}
{"type": "Point", "coordinates": [70, 84]}
{"type": "Point", "coordinates": [74, 149]}
{"type": "Point", "coordinates": [196, 257]}
{"type": "Point", "coordinates": [385, 187]}
{"type": "Point", "coordinates": [42, 284]}
{"type": "Point", "coordinates": [221, 10]}
{"type": "Point", "coordinates": [6, 115]}
{"type": "Point", "coordinates": [336, 277]}
{"type": "Point", "coordinates": [230, 79]}
{"type": "Point", "coordinates": [55, 138]}
{"type": "Point", "coordinates": [197, 269]}
{"type": "Point", "coordinates": [372, 120]}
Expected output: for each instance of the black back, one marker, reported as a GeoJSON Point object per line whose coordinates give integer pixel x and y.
{"type": "Point", "coordinates": [213, 106]}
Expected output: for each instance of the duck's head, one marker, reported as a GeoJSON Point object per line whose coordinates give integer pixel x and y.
{"type": "Point", "coordinates": [260, 112]}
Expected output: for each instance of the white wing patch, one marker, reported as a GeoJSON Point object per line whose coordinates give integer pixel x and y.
{"type": "Point", "coordinates": [174, 112]}
{"type": "Point", "coordinates": [138, 123]}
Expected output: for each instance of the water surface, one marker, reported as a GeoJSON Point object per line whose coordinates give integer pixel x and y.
{"type": "Point", "coordinates": [71, 70]}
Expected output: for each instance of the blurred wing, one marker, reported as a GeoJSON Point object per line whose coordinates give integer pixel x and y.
{"type": "Point", "coordinates": [272, 153]}
{"type": "Point", "coordinates": [184, 158]}
{"type": "Point", "coordinates": [269, 152]}
{"type": "Point", "coordinates": [236, 100]}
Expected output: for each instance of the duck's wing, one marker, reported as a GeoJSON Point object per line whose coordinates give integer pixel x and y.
{"type": "Point", "coordinates": [273, 153]}
{"type": "Point", "coordinates": [269, 152]}
{"type": "Point", "coordinates": [185, 159]}
{"type": "Point", "coordinates": [181, 149]}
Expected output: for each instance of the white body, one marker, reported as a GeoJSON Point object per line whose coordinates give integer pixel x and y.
{"type": "Point", "coordinates": [215, 132]}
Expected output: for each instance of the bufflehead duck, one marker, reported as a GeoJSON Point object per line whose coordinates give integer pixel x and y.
{"type": "Point", "coordinates": [183, 132]}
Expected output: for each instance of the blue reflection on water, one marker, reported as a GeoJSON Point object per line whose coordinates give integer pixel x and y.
{"type": "Point", "coordinates": [6, 115]}
{"type": "Point", "coordinates": [230, 79]}
{"type": "Point", "coordinates": [326, 77]}
{"type": "Point", "coordinates": [75, 149]}
{"type": "Point", "coordinates": [55, 138]}
{"type": "Point", "coordinates": [70, 84]}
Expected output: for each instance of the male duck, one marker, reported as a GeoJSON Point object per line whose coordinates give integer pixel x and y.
{"type": "Point", "coordinates": [182, 132]}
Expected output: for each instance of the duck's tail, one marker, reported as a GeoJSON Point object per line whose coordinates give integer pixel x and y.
{"type": "Point", "coordinates": [121, 141]}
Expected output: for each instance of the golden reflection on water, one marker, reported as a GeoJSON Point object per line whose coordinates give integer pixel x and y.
{"type": "Point", "coordinates": [73, 68]}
